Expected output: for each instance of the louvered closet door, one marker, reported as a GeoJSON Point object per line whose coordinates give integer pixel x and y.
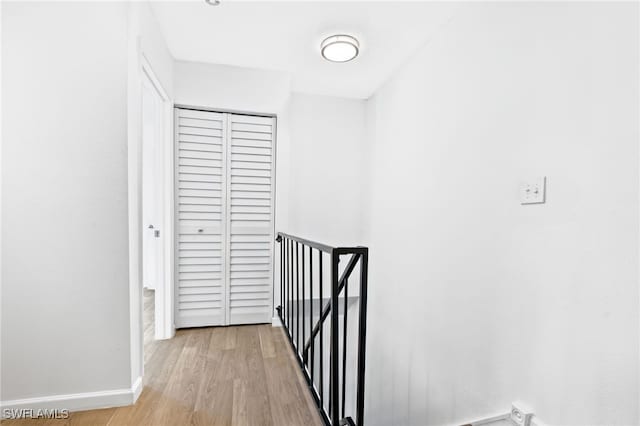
{"type": "Point", "coordinates": [250, 199]}
{"type": "Point", "coordinates": [200, 298]}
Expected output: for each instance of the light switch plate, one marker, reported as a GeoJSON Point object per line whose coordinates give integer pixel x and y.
{"type": "Point", "coordinates": [533, 191]}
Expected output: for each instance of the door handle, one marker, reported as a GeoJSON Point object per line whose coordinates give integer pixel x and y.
{"type": "Point", "coordinates": [156, 233]}
{"type": "Point", "coordinates": [150, 227]}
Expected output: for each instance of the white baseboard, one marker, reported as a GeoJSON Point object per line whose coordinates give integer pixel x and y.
{"type": "Point", "coordinates": [499, 419]}
{"type": "Point", "coordinates": [136, 389]}
{"type": "Point", "coordinates": [486, 421]}
{"type": "Point", "coordinates": [77, 401]}
{"type": "Point", "coordinates": [275, 322]}
{"type": "Point", "coordinates": [535, 421]}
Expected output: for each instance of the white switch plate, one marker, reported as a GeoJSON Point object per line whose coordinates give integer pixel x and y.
{"type": "Point", "coordinates": [533, 191]}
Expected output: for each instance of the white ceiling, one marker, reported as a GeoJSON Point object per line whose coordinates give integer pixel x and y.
{"type": "Point", "coordinates": [286, 36]}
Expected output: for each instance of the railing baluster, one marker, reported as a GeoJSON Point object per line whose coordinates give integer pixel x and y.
{"type": "Point", "coordinates": [294, 300]}
{"type": "Point", "coordinates": [291, 307]}
{"type": "Point", "coordinates": [297, 297]}
{"type": "Point", "coordinates": [303, 319]}
{"type": "Point", "coordinates": [344, 343]}
{"type": "Point", "coordinates": [321, 338]}
{"type": "Point", "coordinates": [362, 335]}
{"type": "Point", "coordinates": [281, 277]}
{"type": "Point", "coordinates": [286, 281]}
{"type": "Point", "coordinates": [334, 402]}
{"type": "Point", "coordinates": [311, 309]}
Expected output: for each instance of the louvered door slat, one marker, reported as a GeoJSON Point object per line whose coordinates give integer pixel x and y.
{"type": "Point", "coordinates": [250, 180]}
{"type": "Point", "coordinates": [200, 214]}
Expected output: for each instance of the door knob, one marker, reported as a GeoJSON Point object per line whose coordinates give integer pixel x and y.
{"type": "Point", "coordinates": [150, 226]}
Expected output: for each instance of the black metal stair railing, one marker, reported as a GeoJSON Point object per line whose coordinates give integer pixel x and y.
{"type": "Point", "coordinates": [303, 285]}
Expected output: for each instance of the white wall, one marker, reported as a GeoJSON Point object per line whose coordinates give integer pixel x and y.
{"type": "Point", "coordinates": [65, 305]}
{"type": "Point", "coordinates": [327, 165]}
{"type": "Point", "coordinates": [230, 88]}
{"type": "Point", "coordinates": [475, 300]}
{"type": "Point", "coordinates": [152, 44]}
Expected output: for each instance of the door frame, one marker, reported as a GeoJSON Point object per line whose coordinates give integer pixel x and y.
{"type": "Point", "coordinates": [164, 324]}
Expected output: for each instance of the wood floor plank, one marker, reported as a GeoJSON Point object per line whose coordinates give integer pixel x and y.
{"type": "Point", "coordinates": [240, 415]}
{"type": "Point", "coordinates": [301, 400]}
{"type": "Point", "coordinates": [179, 397]}
{"type": "Point", "coordinates": [257, 394]}
{"type": "Point", "coordinates": [92, 417]}
{"type": "Point", "coordinates": [214, 405]}
{"type": "Point", "coordinates": [281, 401]}
{"type": "Point", "coordinates": [148, 315]}
{"type": "Point", "coordinates": [266, 341]}
{"type": "Point", "coordinates": [158, 371]}
{"type": "Point", "coordinates": [230, 341]}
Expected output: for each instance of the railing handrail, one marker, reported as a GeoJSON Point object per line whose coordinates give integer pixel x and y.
{"type": "Point", "coordinates": [320, 246]}
{"type": "Point", "coordinates": [289, 313]}
{"type": "Point", "coordinates": [316, 245]}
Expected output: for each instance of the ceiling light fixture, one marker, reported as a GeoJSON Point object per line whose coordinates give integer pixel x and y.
{"type": "Point", "coordinates": [340, 48]}
{"type": "Point", "coordinates": [212, 2]}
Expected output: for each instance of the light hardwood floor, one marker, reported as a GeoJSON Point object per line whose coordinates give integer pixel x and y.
{"type": "Point", "coordinates": [236, 376]}
{"type": "Point", "coordinates": [149, 324]}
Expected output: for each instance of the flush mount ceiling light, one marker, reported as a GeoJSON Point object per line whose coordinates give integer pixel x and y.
{"type": "Point", "coordinates": [340, 48]}
{"type": "Point", "coordinates": [212, 2]}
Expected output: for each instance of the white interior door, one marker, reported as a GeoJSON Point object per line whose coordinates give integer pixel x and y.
{"type": "Point", "coordinates": [152, 209]}
{"type": "Point", "coordinates": [225, 192]}
{"type": "Point", "coordinates": [250, 197]}
{"type": "Point", "coordinates": [157, 223]}
{"type": "Point", "coordinates": [201, 193]}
